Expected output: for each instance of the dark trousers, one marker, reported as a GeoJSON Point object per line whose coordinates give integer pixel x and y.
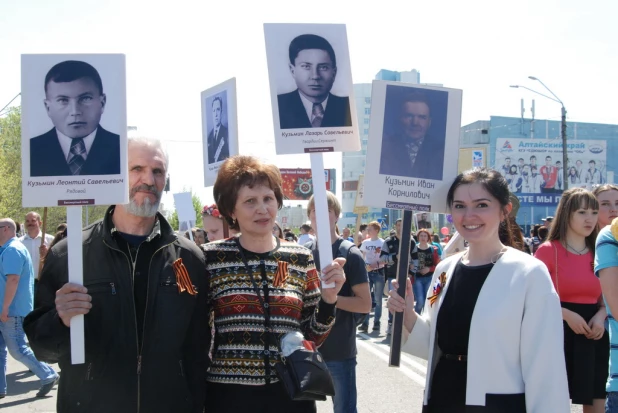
{"type": "Point", "coordinates": [271, 398]}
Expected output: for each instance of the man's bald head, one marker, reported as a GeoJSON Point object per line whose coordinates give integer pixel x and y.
{"type": "Point", "coordinates": [7, 230]}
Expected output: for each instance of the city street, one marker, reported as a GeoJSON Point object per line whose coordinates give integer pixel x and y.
{"type": "Point", "coordinates": [381, 389]}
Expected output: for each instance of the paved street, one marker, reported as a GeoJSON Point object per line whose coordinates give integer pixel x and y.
{"type": "Point", "coordinates": [381, 389]}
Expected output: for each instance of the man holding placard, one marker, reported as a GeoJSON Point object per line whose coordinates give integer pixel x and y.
{"type": "Point", "coordinates": [32, 240]}
{"type": "Point", "coordinates": [145, 304]}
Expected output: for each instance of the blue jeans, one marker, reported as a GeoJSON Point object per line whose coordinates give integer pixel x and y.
{"type": "Point", "coordinates": [376, 284]}
{"type": "Point", "coordinates": [343, 373]}
{"type": "Point", "coordinates": [611, 402]}
{"type": "Point", "coordinates": [13, 338]}
{"type": "Point", "coordinates": [420, 287]}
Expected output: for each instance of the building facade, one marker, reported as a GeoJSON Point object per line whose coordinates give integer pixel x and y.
{"type": "Point", "coordinates": [512, 142]}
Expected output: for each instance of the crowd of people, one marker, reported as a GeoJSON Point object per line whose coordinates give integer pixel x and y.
{"type": "Point", "coordinates": [507, 323]}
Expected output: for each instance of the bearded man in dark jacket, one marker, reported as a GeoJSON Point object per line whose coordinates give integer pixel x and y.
{"type": "Point", "coordinates": [145, 304]}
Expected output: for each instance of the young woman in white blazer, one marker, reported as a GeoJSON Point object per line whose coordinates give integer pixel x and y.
{"type": "Point", "coordinates": [492, 325]}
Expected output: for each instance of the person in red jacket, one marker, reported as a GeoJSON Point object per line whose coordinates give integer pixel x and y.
{"type": "Point", "coordinates": [550, 175]}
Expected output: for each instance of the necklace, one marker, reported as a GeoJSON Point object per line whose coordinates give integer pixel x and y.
{"type": "Point", "coordinates": [578, 252]}
{"type": "Point", "coordinates": [493, 259]}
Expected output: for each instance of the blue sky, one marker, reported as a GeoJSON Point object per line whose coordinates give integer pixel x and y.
{"type": "Point", "coordinates": [177, 49]}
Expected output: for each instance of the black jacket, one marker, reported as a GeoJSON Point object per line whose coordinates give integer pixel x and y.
{"type": "Point", "coordinates": [167, 375]}
{"type": "Point", "coordinates": [214, 142]}
{"type": "Point", "coordinates": [292, 114]}
{"type": "Point", "coordinates": [428, 164]}
{"type": "Point", "coordinates": [48, 159]}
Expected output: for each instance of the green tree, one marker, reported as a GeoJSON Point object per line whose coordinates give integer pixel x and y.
{"type": "Point", "coordinates": [11, 182]}
{"type": "Point", "coordinates": [197, 205]}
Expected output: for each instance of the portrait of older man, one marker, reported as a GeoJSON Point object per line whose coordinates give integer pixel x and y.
{"type": "Point", "coordinates": [77, 144]}
{"type": "Point", "coordinates": [313, 65]}
{"type": "Point", "coordinates": [411, 151]}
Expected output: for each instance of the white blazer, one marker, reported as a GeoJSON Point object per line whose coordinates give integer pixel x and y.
{"type": "Point", "coordinates": [516, 337]}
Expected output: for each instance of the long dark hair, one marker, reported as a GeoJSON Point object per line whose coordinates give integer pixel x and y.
{"type": "Point", "coordinates": [496, 185]}
{"type": "Point", "coordinates": [572, 200]}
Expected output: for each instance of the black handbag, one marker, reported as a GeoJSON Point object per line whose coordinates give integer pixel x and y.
{"type": "Point", "coordinates": [304, 373]}
{"type": "Point", "coordinates": [305, 376]}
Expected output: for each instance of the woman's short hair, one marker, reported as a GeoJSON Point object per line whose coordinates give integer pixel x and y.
{"type": "Point", "coordinates": [331, 201]}
{"type": "Point", "coordinates": [423, 231]}
{"type": "Point", "coordinates": [242, 170]}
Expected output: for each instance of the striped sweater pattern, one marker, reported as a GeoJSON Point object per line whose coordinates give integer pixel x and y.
{"type": "Point", "coordinates": [292, 293]}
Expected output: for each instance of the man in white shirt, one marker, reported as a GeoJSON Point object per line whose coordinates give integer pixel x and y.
{"type": "Point", "coordinates": [371, 249]}
{"type": "Point", "coordinates": [32, 240]}
{"type": "Point", "coordinates": [305, 236]}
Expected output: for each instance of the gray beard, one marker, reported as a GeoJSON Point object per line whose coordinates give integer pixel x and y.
{"type": "Point", "coordinates": [146, 210]}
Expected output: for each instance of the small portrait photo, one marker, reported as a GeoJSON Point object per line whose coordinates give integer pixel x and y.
{"type": "Point", "coordinates": [309, 69]}
{"type": "Point", "coordinates": [74, 114]}
{"type": "Point", "coordinates": [219, 127]}
{"type": "Point", "coordinates": [414, 132]}
{"type": "Point", "coordinates": [218, 140]}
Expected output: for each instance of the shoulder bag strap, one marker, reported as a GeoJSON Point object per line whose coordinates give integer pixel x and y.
{"type": "Point", "coordinates": [266, 308]}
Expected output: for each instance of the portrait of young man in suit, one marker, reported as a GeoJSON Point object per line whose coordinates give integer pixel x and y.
{"type": "Point", "coordinates": [412, 152]}
{"type": "Point", "coordinates": [313, 66]}
{"type": "Point", "coordinates": [218, 137]}
{"type": "Point", "coordinates": [77, 144]}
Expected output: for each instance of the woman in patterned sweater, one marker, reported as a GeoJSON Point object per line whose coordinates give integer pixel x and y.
{"type": "Point", "coordinates": [242, 376]}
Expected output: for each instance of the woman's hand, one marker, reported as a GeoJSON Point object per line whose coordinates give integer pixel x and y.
{"type": "Point", "coordinates": [576, 323]}
{"type": "Point", "coordinates": [597, 327]}
{"type": "Point", "coordinates": [397, 303]}
{"type": "Point", "coordinates": [333, 273]}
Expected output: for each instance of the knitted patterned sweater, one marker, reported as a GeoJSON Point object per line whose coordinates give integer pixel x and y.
{"type": "Point", "coordinates": [245, 353]}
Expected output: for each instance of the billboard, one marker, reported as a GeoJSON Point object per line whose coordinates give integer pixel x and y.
{"type": "Point", "coordinates": [533, 167]}
{"type": "Point", "coordinates": [298, 183]}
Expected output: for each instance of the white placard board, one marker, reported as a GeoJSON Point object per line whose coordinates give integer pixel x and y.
{"type": "Point", "coordinates": [65, 98]}
{"type": "Point", "coordinates": [413, 146]}
{"type": "Point", "coordinates": [219, 127]}
{"type": "Point", "coordinates": [184, 207]}
{"type": "Point", "coordinates": [311, 88]}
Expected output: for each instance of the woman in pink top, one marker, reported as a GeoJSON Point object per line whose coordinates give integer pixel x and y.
{"type": "Point", "coordinates": [569, 257]}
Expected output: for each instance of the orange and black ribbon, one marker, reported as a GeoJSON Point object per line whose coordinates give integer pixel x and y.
{"type": "Point", "coordinates": [182, 278]}
{"type": "Point", "coordinates": [437, 289]}
{"type": "Point", "coordinates": [282, 273]}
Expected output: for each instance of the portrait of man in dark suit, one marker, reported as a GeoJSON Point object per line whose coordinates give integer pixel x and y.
{"type": "Point", "coordinates": [77, 144]}
{"type": "Point", "coordinates": [313, 66]}
{"type": "Point", "coordinates": [218, 137]}
{"type": "Point", "coordinates": [412, 151]}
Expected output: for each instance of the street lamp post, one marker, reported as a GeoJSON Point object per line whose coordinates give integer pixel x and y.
{"type": "Point", "coordinates": [563, 129]}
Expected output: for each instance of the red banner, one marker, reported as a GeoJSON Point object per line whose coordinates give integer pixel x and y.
{"type": "Point", "coordinates": [298, 183]}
